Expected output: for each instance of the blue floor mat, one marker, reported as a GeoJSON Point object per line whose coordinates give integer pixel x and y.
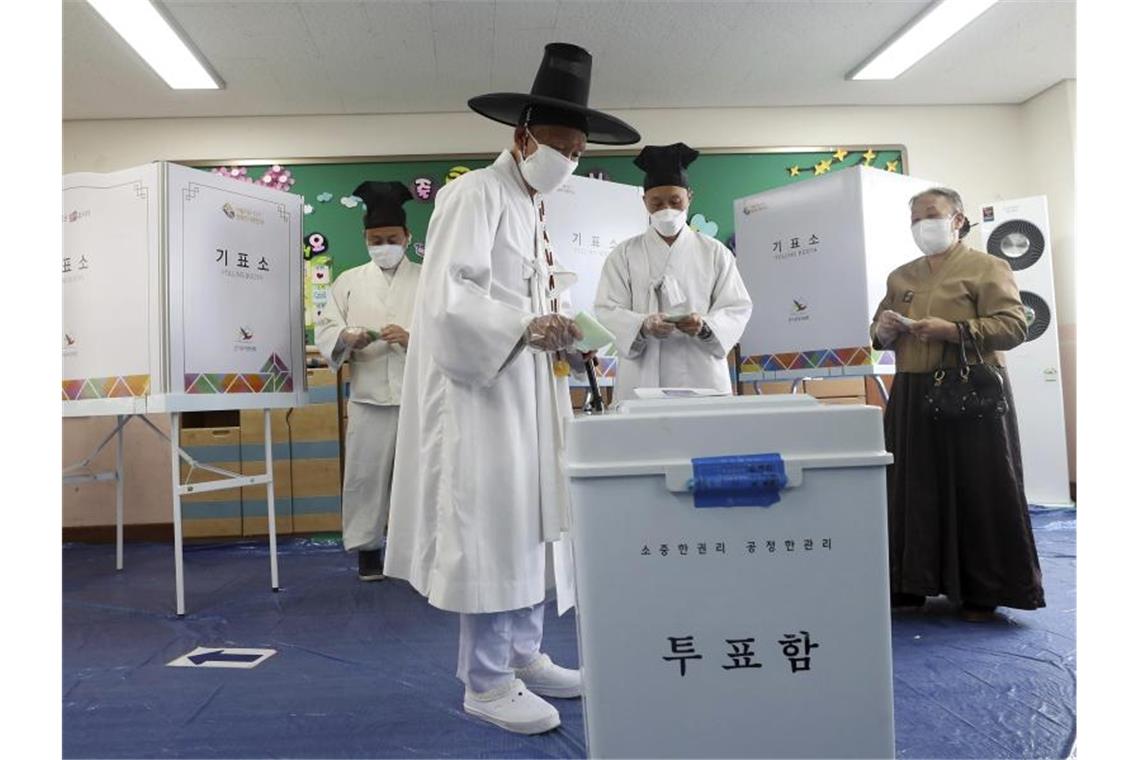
{"type": "Point", "coordinates": [993, 690]}
{"type": "Point", "coordinates": [368, 669]}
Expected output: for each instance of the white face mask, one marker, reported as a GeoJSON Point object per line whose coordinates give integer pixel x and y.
{"type": "Point", "coordinates": [386, 256]}
{"type": "Point", "coordinates": [669, 221]}
{"type": "Point", "coordinates": [546, 169]}
{"type": "Point", "coordinates": [934, 236]}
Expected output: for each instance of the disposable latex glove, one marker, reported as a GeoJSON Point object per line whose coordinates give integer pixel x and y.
{"type": "Point", "coordinates": [394, 334]}
{"type": "Point", "coordinates": [889, 327]}
{"type": "Point", "coordinates": [656, 326]}
{"type": "Point", "coordinates": [692, 324]}
{"type": "Point", "coordinates": [552, 332]}
{"type": "Point", "coordinates": [355, 338]}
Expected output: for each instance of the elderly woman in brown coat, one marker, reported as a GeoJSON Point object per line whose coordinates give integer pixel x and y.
{"type": "Point", "coordinates": [959, 522]}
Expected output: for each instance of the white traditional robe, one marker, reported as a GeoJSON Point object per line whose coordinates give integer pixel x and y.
{"type": "Point", "coordinates": [364, 297]}
{"type": "Point", "coordinates": [643, 276]}
{"type": "Point", "coordinates": [480, 497]}
{"type": "Point", "coordinates": [367, 297]}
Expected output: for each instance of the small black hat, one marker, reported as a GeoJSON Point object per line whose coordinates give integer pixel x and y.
{"type": "Point", "coordinates": [665, 164]}
{"type": "Point", "coordinates": [559, 95]}
{"type": "Point", "coordinates": [385, 203]}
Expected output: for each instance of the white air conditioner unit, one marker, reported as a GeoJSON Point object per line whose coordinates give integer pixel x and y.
{"type": "Point", "coordinates": [1017, 231]}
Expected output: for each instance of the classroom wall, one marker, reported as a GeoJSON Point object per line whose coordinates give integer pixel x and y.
{"type": "Point", "coordinates": [976, 148]}
{"type": "Point", "coordinates": [987, 152]}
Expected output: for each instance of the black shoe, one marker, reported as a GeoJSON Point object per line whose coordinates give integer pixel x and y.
{"type": "Point", "coordinates": [978, 613]}
{"type": "Point", "coordinates": [907, 601]}
{"type": "Point", "coordinates": [370, 565]}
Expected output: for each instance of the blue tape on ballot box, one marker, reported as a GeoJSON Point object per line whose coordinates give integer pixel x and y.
{"type": "Point", "coordinates": [750, 480]}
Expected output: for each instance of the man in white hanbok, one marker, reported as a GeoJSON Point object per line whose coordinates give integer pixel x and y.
{"type": "Point", "coordinates": [671, 296]}
{"type": "Point", "coordinates": [479, 514]}
{"type": "Point", "coordinates": [366, 325]}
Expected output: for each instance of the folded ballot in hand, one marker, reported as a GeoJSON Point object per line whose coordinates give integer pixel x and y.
{"type": "Point", "coordinates": [594, 335]}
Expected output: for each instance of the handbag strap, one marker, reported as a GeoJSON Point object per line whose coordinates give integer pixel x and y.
{"type": "Point", "coordinates": [962, 362]}
{"type": "Point", "coordinates": [963, 333]}
{"type": "Point", "coordinates": [964, 337]}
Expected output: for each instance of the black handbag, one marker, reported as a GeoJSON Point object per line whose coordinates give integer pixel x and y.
{"type": "Point", "coordinates": [968, 391]}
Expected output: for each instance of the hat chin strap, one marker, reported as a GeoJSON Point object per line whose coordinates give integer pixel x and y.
{"type": "Point", "coordinates": [517, 154]}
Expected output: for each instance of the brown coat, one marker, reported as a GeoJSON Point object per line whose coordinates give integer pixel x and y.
{"type": "Point", "coordinates": [969, 286]}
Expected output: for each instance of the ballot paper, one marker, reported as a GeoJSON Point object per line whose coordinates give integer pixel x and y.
{"type": "Point", "coordinates": [594, 334]}
{"type": "Point", "coordinates": [678, 392]}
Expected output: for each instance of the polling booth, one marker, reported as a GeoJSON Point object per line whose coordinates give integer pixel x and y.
{"type": "Point", "coordinates": [815, 257]}
{"type": "Point", "coordinates": [182, 293]}
{"type": "Point", "coordinates": [732, 578]}
{"type": "Point", "coordinates": [585, 219]}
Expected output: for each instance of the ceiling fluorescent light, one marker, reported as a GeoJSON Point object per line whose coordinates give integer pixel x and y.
{"type": "Point", "coordinates": [155, 37]}
{"type": "Point", "coordinates": [920, 37]}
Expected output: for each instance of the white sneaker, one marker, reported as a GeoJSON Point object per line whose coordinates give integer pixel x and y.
{"type": "Point", "coordinates": [549, 680]}
{"type": "Point", "coordinates": [513, 707]}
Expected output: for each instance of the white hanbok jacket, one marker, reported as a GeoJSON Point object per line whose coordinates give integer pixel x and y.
{"type": "Point", "coordinates": [643, 276]}
{"type": "Point", "coordinates": [364, 297]}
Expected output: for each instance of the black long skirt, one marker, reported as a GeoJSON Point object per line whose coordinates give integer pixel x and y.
{"type": "Point", "coordinates": [958, 519]}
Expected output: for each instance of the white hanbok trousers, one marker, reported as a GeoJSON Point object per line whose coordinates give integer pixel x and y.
{"type": "Point", "coordinates": [492, 645]}
{"type": "Point", "coordinates": [369, 455]}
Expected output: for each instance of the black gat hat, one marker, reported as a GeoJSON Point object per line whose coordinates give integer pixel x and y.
{"type": "Point", "coordinates": [559, 95]}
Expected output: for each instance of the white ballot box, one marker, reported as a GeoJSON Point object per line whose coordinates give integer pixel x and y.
{"type": "Point", "coordinates": [732, 574]}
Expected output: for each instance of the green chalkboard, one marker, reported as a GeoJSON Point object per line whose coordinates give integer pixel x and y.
{"type": "Point", "coordinates": [718, 178]}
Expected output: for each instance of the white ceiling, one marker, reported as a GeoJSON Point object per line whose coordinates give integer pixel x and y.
{"type": "Point", "coordinates": [381, 56]}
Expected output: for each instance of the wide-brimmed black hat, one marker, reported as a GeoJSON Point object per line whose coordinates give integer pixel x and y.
{"type": "Point", "coordinates": [559, 95]}
{"type": "Point", "coordinates": [384, 203]}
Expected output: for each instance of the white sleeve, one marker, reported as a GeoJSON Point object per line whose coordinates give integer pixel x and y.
{"type": "Point", "coordinates": [471, 336]}
{"type": "Point", "coordinates": [331, 323]}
